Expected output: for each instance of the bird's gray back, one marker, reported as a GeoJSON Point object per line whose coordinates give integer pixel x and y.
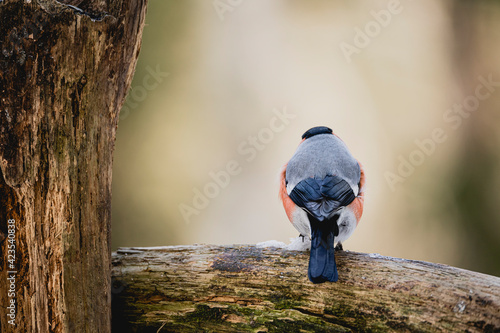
{"type": "Point", "coordinates": [322, 155]}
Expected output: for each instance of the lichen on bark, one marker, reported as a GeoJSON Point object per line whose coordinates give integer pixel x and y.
{"type": "Point", "coordinates": [245, 288]}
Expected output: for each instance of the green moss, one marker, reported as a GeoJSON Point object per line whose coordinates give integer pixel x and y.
{"type": "Point", "coordinates": [284, 300]}
{"type": "Point", "coordinates": [61, 146]}
{"type": "Point", "coordinates": [214, 319]}
{"type": "Point", "coordinates": [204, 313]}
{"type": "Point", "coordinates": [292, 326]}
{"type": "Point", "coordinates": [284, 297]}
{"type": "Point", "coordinates": [349, 316]}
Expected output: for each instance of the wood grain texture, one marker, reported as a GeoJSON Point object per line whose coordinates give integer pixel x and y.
{"type": "Point", "coordinates": [64, 74]}
{"type": "Point", "coordinates": [207, 288]}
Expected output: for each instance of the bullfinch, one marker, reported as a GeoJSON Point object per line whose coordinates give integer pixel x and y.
{"type": "Point", "coordinates": [322, 190]}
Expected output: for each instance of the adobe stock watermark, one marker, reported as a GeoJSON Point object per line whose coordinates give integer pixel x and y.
{"type": "Point", "coordinates": [454, 117]}
{"type": "Point", "coordinates": [363, 37]}
{"type": "Point", "coordinates": [221, 7]}
{"type": "Point", "coordinates": [139, 93]}
{"type": "Point", "coordinates": [11, 308]}
{"type": "Point", "coordinates": [248, 150]}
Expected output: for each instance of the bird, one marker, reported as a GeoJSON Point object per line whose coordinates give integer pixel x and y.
{"type": "Point", "coordinates": [322, 189]}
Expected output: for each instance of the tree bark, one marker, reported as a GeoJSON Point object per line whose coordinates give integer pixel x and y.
{"type": "Point", "coordinates": [245, 288]}
{"type": "Point", "coordinates": [64, 74]}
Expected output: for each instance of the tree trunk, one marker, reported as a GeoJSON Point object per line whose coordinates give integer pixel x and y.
{"type": "Point", "coordinates": [245, 288]}
{"type": "Point", "coordinates": [64, 73]}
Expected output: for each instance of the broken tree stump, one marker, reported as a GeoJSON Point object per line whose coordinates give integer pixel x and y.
{"type": "Point", "coordinates": [65, 68]}
{"type": "Point", "coordinates": [247, 288]}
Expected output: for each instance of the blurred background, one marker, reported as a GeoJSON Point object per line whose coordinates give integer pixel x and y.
{"type": "Point", "coordinates": [224, 90]}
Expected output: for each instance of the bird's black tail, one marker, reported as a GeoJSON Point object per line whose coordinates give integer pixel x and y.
{"type": "Point", "coordinates": [322, 266]}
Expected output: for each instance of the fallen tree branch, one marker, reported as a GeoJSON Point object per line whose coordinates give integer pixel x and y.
{"type": "Point", "coordinates": [246, 288]}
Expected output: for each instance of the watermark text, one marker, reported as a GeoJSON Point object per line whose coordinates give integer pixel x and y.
{"type": "Point", "coordinates": [248, 149]}
{"type": "Point", "coordinates": [11, 273]}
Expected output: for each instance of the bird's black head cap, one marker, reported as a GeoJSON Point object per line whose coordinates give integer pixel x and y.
{"type": "Point", "coordinates": [317, 130]}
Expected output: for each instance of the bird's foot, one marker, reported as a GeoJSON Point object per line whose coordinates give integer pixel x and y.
{"type": "Point", "coordinates": [339, 247]}
{"type": "Point", "coordinates": [302, 236]}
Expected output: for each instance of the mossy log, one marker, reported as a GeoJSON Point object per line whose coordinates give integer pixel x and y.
{"type": "Point", "coordinates": [206, 288]}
